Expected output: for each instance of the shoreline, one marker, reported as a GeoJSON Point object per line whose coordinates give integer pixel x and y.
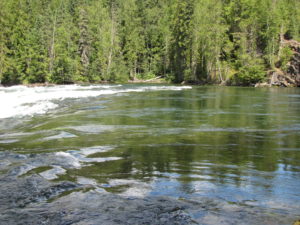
{"type": "Point", "coordinates": [152, 81]}
{"type": "Point", "coordinates": [46, 84]}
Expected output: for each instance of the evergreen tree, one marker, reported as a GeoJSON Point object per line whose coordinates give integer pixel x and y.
{"type": "Point", "coordinates": [181, 40]}
{"type": "Point", "coordinates": [64, 41]}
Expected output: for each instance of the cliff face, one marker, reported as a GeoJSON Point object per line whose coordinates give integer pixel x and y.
{"type": "Point", "coordinates": [294, 66]}
{"type": "Point", "coordinates": [290, 77]}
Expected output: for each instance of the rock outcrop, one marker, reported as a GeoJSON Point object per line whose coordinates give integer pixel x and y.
{"type": "Point", "coordinates": [291, 76]}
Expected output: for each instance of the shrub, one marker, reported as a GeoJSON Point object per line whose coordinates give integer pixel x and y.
{"type": "Point", "coordinates": [249, 75]}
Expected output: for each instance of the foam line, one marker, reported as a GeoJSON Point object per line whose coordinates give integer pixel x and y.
{"type": "Point", "coordinates": [19, 101]}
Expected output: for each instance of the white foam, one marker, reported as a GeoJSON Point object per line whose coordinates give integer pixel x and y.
{"type": "Point", "coordinates": [10, 141]}
{"type": "Point", "coordinates": [105, 159]}
{"type": "Point", "coordinates": [86, 181]}
{"type": "Point", "coordinates": [99, 128]}
{"type": "Point", "coordinates": [61, 135]}
{"type": "Point", "coordinates": [78, 158]}
{"type": "Point", "coordinates": [53, 173]}
{"type": "Point", "coordinates": [26, 101]}
{"type": "Point", "coordinates": [95, 149]}
{"type": "Point", "coordinates": [13, 135]}
{"type": "Point", "coordinates": [92, 129]}
{"type": "Point", "coordinates": [69, 158]}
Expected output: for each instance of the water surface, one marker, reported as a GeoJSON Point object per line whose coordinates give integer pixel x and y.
{"type": "Point", "coordinates": [238, 145]}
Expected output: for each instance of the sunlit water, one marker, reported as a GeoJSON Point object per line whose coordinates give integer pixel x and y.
{"type": "Point", "coordinates": [241, 145]}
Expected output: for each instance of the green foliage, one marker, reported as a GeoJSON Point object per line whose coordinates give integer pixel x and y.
{"type": "Point", "coordinates": [63, 69]}
{"type": "Point", "coordinates": [181, 38]}
{"type": "Point", "coordinates": [119, 73]}
{"type": "Point", "coordinates": [146, 76]}
{"type": "Point", "coordinates": [65, 41]}
{"type": "Point", "coordinates": [249, 74]}
{"type": "Point", "coordinates": [286, 54]}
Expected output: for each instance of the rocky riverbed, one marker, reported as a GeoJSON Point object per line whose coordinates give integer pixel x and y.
{"type": "Point", "coordinates": [28, 198]}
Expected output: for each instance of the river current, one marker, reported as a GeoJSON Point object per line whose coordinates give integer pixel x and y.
{"type": "Point", "coordinates": [237, 148]}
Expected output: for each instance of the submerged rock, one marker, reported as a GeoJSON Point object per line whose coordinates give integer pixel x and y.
{"type": "Point", "coordinates": [34, 200]}
{"type": "Point", "coordinates": [26, 201]}
{"type": "Point", "coordinates": [19, 192]}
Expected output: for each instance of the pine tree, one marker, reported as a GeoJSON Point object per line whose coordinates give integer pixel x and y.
{"type": "Point", "coordinates": [65, 41]}
{"type": "Point", "coordinates": [181, 40]}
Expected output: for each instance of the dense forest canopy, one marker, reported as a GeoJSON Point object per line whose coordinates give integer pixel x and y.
{"type": "Point", "coordinates": [64, 41]}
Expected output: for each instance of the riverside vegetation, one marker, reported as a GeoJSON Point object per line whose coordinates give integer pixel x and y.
{"type": "Point", "coordinates": [234, 42]}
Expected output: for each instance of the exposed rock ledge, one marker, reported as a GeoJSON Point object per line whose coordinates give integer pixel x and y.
{"type": "Point", "coordinates": [290, 77]}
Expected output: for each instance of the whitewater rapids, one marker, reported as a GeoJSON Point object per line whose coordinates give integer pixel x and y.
{"type": "Point", "coordinates": [18, 101]}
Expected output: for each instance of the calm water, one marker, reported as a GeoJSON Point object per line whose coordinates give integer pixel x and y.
{"type": "Point", "coordinates": [241, 145]}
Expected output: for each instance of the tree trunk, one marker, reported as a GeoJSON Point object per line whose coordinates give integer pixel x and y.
{"type": "Point", "coordinates": [52, 45]}
{"type": "Point", "coordinates": [83, 43]}
{"type": "Point", "coordinates": [112, 39]}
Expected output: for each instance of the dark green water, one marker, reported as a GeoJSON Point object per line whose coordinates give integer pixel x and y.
{"type": "Point", "coordinates": [235, 144]}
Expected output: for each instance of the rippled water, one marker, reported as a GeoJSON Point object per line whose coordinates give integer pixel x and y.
{"type": "Point", "coordinates": [240, 145]}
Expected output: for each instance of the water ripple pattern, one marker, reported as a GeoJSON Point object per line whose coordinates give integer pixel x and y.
{"type": "Point", "coordinates": [232, 154]}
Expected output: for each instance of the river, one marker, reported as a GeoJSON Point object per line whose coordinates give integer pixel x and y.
{"type": "Point", "coordinates": [236, 149]}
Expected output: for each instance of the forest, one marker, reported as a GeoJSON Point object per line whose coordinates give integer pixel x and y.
{"type": "Point", "coordinates": [192, 41]}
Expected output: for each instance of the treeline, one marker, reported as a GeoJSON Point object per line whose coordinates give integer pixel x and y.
{"type": "Point", "coordinates": [64, 41]}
